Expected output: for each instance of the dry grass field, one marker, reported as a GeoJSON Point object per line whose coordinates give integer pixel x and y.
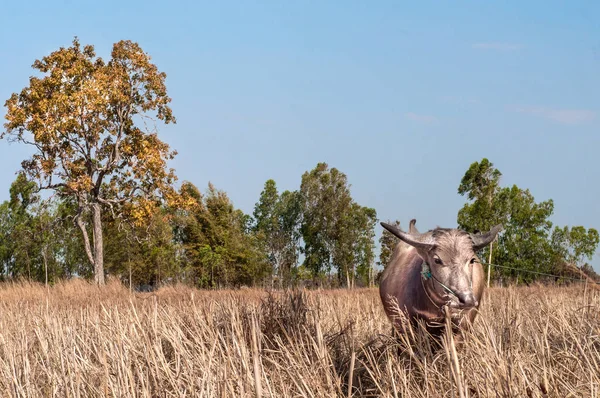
{"type": "Point", "coordinates": [76, 340]}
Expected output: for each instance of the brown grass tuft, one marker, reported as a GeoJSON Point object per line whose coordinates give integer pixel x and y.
{"type": "Point", "coordinates": [77, 340]}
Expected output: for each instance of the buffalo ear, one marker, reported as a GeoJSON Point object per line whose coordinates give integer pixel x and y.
{"type": "Point", "coordinates": [419, 241]}
{"type": "Point", "coordinates": [411, 227]}
{"type": "Point", "coordinates": [482, 240]}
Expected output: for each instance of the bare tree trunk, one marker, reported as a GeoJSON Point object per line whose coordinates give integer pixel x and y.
{"type": "Point", "coordinates": [96, 257]}
{"type": "Point", "coordinates": [86, 239]}
{"type": "Point", "coordinates": [45, 264]}
{"type": "Point", "coordinates": [348, 286]}
{"type": "Point", "coordinates": [98, 245]}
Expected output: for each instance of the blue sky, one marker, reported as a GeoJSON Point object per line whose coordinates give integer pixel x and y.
{"type": "Point", "coordinates": [400, 97]}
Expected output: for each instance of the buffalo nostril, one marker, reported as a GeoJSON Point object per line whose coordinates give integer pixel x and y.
{"type": "Point", "coordinates": [468, 300]}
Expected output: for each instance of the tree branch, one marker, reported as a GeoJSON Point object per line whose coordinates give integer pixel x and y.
{"type": "Point", "coordinates": [117, 201]}
{"type": "Point", "coordinates": [115, 155]}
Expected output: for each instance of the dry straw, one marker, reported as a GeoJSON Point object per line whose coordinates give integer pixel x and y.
{"type": "Point", "coordinates": [81, 341]}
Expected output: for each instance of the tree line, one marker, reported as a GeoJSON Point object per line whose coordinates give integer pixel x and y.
{"type": "Point", "coordinates": [316, 234]}
{"type": "Point", "coordinates": [113, 206]}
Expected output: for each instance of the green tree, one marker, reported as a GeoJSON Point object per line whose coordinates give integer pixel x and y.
{"type": "Point", "coordinates": [338, 233]}
{"type": "Point", "coordinates": [326, 200]}
{"type": "Point", "coordinates": [142, 254]}
{"type": "Point", "coordinates": [81, 118]}
{"type": "Point", "coordinates": [481, 185]}
{"type": "Point", "coordinates": [524, 242]}
{"type": "Point", "coordinates": [277, 220]}
{"type": "Point", "coordinates": [289, 210]}
{"type": "Point", "coordinates": [219, 245]}
{"type": "Point", "coordinates": [575, 244]}
{"type": "Point", "coordinates": [68, 238]}
{"type": "Point", "coordinates": [266, 223]}
{"type": "Point", "coordinates": [22, 229]}
{"type": "Point", "coordinates": [387, 242]}
{"type": "Point", "coordinates": [363, 253]}
{"type": "Point", "coordinates": [32, 235]}
{"type": "Point", "coordinates": [43, 229]}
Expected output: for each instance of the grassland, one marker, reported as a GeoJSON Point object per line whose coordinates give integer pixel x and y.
{"type": "Point", "coordinates": [76, 340]}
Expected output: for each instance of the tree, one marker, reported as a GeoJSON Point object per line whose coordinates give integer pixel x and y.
{"type": "Point", "coordinates": [363, 253]}
{"type": "Point", "coordinates": [524, 240]}
{"type": "Point", "coordinates": [524, 243]}
{"type": "Point", "coordinates": [68, 238]}
{"type": "Point", "coordinates": [22, 229]}
{"type": "Point", "coordinates": [289, 212]}
{"type": "Point", "coordinates": [325, 196]}
{"type": "Point", "coordinates": [481, 182]}
{"type": "Point", "coordinates": [32, 236]}
{"type": "Point", "coordinates": [276, 220]}
{"type": "Point", "coordinates": [481, 185]}
{"type": "Point", "coordinates": [575, 244]}
{"type": "Point", "coordinates": [142, 253]}
{"type": "Point", "coordinates": [42, 230]}
{"type": "Point", "coordinates": [338, 233]}
{"type": "Point", "coordinates": [354, 248]}
{"type": "Point", "coordinates": [266, 223]}
{"type": "Point", "coordinates": [81, 118]}
{"type": "Point", "coordinates": [219, 245]}
{"type": "Point", "coordinates": [388, 243]}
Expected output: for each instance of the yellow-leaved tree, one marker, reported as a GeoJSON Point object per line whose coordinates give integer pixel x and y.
{"type": "Point", "coordinates": [87, 122]}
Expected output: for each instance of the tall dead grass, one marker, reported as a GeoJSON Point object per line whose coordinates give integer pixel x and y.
{"type": "Point", "coordinates": [77, 340]}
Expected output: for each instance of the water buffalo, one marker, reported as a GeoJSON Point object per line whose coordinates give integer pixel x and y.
{"type": "Point", "coordinates": [432, 272]}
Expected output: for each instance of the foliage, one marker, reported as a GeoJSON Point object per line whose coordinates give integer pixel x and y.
{"type": "Point", "coordinates": [527, 241]}
{"type": "Point", "coordinates": [357, 245]}
{"type": "Point", "coordinates": [81, 117]}
{"type": "Point", "coordinates": [219, 248]}
{"type": "Point", "coordinates": [143, 255]}
{"type": "Point", "coordinates": [575, 244]}
{"type": "Point", "coordinates": [276, 221]}
{"type": "Point", "coordinates": [337, 232]}
{"type": "Point", "coordinates": [325, 196]}
{"type": "Point", "coordinates": [35, 242]}
{"type": "Point", "coordinates": [388, 243]}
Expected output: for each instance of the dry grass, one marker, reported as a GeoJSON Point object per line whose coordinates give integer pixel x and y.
{"type": "Point", "coordinates": [76, 340]}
